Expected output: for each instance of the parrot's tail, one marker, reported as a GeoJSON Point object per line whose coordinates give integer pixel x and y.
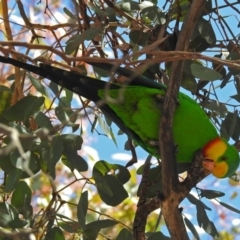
{"type": "Point", "coordinates": [83, 85]}
{"type": "Point", "coordinates": [88, 87]}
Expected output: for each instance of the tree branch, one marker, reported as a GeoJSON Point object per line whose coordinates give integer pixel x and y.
{"type": "Point", "coordinates": [171, 185]}
{"type": "Point", "coordinates": [195, 174]}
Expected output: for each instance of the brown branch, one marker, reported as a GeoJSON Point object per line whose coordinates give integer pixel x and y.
{"type": "Point", "coordinates": [143, 210]}
{"type": "Point", "coordinates": [195, 174]}
{"type": "Point", "coordinates": [18, 93]}
{"type": "Point", "coordinates": [162, 56]}
{"type": "Point", "coordinates": [171, 185]}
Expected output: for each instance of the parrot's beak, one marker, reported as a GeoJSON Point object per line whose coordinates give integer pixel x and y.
{"type": "Point", "coordinates": [208, 164]}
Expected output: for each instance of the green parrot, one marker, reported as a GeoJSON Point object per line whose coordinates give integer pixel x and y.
{"type": "Point", "coordinates": [136, 109]}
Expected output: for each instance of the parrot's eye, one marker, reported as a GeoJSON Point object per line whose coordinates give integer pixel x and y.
{"type": "Point", "coordinates": [224, 159]}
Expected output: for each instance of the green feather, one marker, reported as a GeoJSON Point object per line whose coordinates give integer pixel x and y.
{"type": "Point", "coordinates": [140, 113]}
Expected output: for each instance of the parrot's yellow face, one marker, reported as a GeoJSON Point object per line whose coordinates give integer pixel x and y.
{"type": "Point", "coordinates": [220, 158]}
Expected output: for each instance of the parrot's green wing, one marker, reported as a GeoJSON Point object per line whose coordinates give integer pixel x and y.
{"type": "Point", "coordinates": [141, 112]}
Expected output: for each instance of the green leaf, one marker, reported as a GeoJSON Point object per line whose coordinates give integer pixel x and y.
{"type": "Point", "coordinates": [125, 234]}
{"type": "Point", "coordinates": [106, 129]}
{"type": "Point", "coordinates": [21, 197]}
{"type": "Point", "coordinates": [55, 152]}
{"type": "Point", "coordinates": [101, 224]}
{"type": "Point", "coordinates": [206, 31]}
{"type": "Point", "coordinates": [65, 102]}
{"type": "Point", "coordinates": [54, 87]}
{"type": "Point", "coordinates": [191, 228]}
{"type": "Point", "coordinates": [97, 10]}
{"type": "Point", "coordinates": [230, 207]}
{"type": "Point", "coordinates": [108, 121]}
{"type": "Point", "coordinates": [82, 209]}
{"type": "Point", "coordinates": [62, 115]}
{"type": "Point", "coordinates": [236, 97]}
{"type": "Point", "coordinates": [40, 88]}
{"type": "Point", "coordinates": [145, 4]}
{"type": "Point", "coordinates": [113, 137]}
{"type": "Point", "coordinates": [139, 37]}
{"type": "Point", "coordinates": [203, 36]}
{"type": "Point", "coordinates": [42, 120]}
{"type": "Point", "coordinates": [117, 189]}
{"type": "Point", "coordinates": [76, 140]}
{"type": "Point", "coordinates": [68, 97]}
{"type": "Point", "coordinates": [109, 180]}
{"type": "Point", "coordinates": [20, 163]}
{"type": "Point", "coordinates": [71, 226]}
{"type": "Point", "coordinates": [217, 107]}
{"type": "Point", "coordinates": [104, 168]}
{"type": "Point", "coordinates": [90, 234]}
{"type": "Point", "coordinates": [5, 164]}
{"type": "Point", "coordinates": [24, 108]}
{"type": "Point", "coordinates": [74, 42]}
{"type": "Point", "coordinates": [102, 184]}
{"type": "Point", "coordinates": [211, 229]}
{"type": "Point", "coordinates": [128, 6]}
{"type": "Point", "coordinates": [75, 161]}
{"type": "Point", "coordinates": [9, 217]}
{"type": "Point", "coordinates": [5, 214]}
{"type": "Point", "coordinates": [196, 201]}
{"type": "Point", "coordinates": [205, 73]}
{"type": "Point", "coordinates": [17, 223]}
{"type": "Point", "coordinates": [230, 126]}
{"type": "Point", "coordinates": [204, 222]}
{"type": "Point", "coordinates": [12, 180]}
{"type": "Point", "coordinates": [69, 13]}
{"type": "Point", "coordinates": [155, 14]}
{"type": "Point", "coordinates": [65, 115]}
{"type": "Point", "coordinates": [63, 217]}
{"type": "Point", "coordinates": [55, 234]}
{"type": "Point", "coordinates": [210, 194]}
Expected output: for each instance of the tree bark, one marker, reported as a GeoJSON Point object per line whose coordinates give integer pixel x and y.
{"type": "Point", "coordinates": [171, 185]}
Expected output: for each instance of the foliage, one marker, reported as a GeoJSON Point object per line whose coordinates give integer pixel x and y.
{"type": "Point", "coordinates": [41, 123]}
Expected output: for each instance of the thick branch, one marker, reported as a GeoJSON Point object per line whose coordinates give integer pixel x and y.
{"type": "Point", "coordinates": [170, 181]}
{"type": "Point", "coordinates": [195, 174]}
